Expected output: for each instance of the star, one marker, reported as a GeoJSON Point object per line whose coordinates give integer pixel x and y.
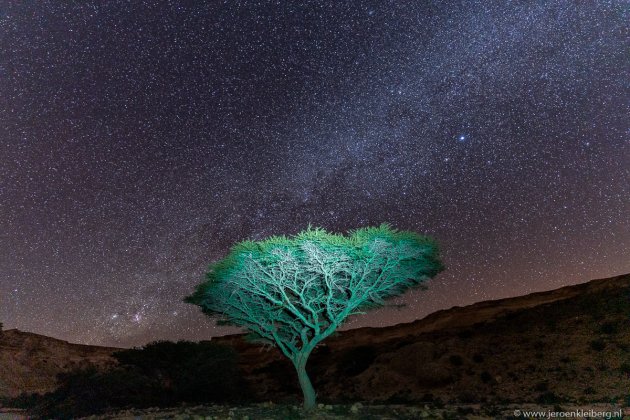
{"type": "Point", "coordinates": [130, 162]}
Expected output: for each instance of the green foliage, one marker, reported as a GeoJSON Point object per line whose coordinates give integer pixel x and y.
{"type": "Point", "coordinates": [282, 286]}
{"type": "Point", "coordinates": [296, 291]}
{"type": "Point", "coordinates": [159, 375]}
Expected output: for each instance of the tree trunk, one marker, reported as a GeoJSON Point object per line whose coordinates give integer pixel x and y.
{"type": "Point", "coordinates": [305, 384]}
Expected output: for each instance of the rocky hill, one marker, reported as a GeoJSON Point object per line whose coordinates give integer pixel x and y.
{"type": "Point", "coordinates": [569, 344]}
{"type": "Point", "coordinates": [30, 362]}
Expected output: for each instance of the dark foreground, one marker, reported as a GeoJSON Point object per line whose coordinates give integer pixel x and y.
{"type": "Point", "coordinates": [359, 411]}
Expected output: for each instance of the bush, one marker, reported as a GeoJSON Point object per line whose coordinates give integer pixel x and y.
{"type": "Point", "coordinates": [159, 375]}
{"type": "Point", "coordinates": [23, 401]}
{"type": "Point", "coordinates": [88, 391]}
{"type": "Point", "coordinates": [192, 372]}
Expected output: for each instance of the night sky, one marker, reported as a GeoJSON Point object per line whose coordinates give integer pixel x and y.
{"type": "Point", "coordinates": [139, 140]}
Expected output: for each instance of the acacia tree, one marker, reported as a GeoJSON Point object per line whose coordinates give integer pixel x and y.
{"type": "Point", "coordinates": [294, 292]}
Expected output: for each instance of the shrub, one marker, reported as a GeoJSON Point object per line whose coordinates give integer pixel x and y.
{"type": "Point", "coordinates": [160, 374]}
{"type": "Point", "coordinates": [89, 391]}
{"type": "Point", "coordinates": [192, 372]}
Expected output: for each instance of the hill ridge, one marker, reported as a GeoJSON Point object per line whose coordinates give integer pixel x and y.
{"type": "Point", "coordinates": [383, 358]}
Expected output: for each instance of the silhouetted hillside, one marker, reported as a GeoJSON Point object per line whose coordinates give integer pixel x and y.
{"type": "Point", "coordinates": [569, 344]}
{"type": "Point", "coordinates": [31, 362]}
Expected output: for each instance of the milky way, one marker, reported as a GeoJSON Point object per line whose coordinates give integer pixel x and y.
{"type": "Point", "coordinates": [139, 140]}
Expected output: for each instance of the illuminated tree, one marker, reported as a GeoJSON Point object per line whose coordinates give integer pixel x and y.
{"type": "Point", "coordinates": [294, 292]}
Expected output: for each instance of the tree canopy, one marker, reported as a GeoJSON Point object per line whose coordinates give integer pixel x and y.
{"type": "Point", "coordinates": [295, 291]}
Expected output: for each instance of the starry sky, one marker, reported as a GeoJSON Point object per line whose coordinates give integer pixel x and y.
{"type": "Point", "coordinates": [140, 139]}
